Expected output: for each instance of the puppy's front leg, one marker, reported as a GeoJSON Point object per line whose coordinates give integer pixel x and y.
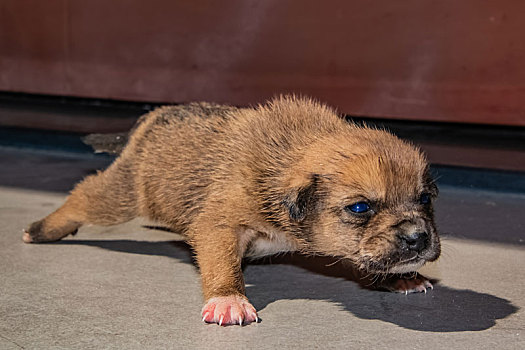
{"type": "Point", "coordinates": [219, 256]}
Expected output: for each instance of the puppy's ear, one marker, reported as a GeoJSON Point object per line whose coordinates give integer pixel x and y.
{"type": "Point", "coordinates": [431, 183]}
{"type": "Point", "coordinates": [302, 199]}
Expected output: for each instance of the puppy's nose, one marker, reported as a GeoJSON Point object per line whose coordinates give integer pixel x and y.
{"type": "Point", "coordinates": [416, 241]}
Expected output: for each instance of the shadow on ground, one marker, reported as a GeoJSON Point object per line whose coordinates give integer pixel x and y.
{"type": "Point", "coordinates": [295, 277]}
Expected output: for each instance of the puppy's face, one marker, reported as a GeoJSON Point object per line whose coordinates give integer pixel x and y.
{"type": "Point", "coordinates": [374, 208]}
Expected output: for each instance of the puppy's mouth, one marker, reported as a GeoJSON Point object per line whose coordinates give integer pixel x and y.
{"type": "Point", "coordinates": [407, 265]}
{"type": "Point", "coordinates": [398, 262]}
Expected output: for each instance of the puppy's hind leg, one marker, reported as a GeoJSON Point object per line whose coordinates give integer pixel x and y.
{"type": "Point", "coordinates": [107, 198]}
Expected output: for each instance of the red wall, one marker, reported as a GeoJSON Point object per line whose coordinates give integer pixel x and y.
{"type": "Point", "coordinates": [443, 60]}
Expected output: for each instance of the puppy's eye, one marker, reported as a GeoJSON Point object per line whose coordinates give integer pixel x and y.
{"type": "Point", "coordinates": [425, 198]}
{"type": "Point", "coordinates": [358, 208]}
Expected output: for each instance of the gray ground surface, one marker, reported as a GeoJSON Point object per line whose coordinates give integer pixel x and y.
{"type": "Point", "coordinates": [133, 287]}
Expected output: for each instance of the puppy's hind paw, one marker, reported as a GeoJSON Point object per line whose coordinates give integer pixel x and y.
{"type": "Point", "coordinates": [39, 232]}
{"type": "Point", "coordinates": [229, 310]}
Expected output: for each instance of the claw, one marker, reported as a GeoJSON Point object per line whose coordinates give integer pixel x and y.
{"type": "Point", "coordinates": [228, 310]}
{"type": "Point", "coordinates": [204, 317]}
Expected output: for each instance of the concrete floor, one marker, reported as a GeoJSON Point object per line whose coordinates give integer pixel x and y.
{"type": "Point", "coordinates": [134, 287]}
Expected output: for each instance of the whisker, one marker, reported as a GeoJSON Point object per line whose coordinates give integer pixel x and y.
{"type": "Point", "coordinates": [333, 263]}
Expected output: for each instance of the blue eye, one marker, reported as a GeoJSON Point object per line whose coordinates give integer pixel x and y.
{"type": "Point", "coordinates": [358, 208]}
{"type": "Point", "coordinates": [425, 198]}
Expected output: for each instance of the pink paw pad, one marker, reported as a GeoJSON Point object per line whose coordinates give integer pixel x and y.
{"type": "Point", "coordinates": [228, 310]}
{"type": "Point", "coordinates": [416, 285]}
{"type": "Point", "coordinates": [27, 237]}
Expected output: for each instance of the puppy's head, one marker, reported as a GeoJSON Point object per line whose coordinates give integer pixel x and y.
{"type": "Point", "coordinates": [368, 198]}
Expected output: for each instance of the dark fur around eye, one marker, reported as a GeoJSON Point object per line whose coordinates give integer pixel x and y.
{"type": "Point", "coordinates": [425, 198]}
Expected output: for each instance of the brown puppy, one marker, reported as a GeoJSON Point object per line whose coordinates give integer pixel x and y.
{"type": "Point", "coordinates": [287, 176]}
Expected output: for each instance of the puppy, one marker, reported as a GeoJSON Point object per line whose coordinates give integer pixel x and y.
{"type": "Point", "coordinates": [287, 176]}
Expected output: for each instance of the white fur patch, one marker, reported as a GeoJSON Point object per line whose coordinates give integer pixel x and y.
{"type": "Point", "coordinates": [411, 267]}
{"type": "Point", "coordinates": [262, 246]}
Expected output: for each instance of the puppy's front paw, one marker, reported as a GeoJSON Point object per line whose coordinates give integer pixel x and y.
{"type": "Point", "coordinates": [228, 310]}
{"type": "Point", "coordinates": [405, 284]}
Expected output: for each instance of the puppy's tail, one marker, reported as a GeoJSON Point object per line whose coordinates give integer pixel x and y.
{"type": "Point", "coordinates": [112, 143]}
{"type": "Point", "coordinates": [109, 143]}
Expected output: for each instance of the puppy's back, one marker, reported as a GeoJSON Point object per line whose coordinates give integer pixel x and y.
{"type": "Point", "coordinates": [177, 153]}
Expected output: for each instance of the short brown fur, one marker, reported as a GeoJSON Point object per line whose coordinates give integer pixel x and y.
{"type": "Point", "coordinates": [251, 182]}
